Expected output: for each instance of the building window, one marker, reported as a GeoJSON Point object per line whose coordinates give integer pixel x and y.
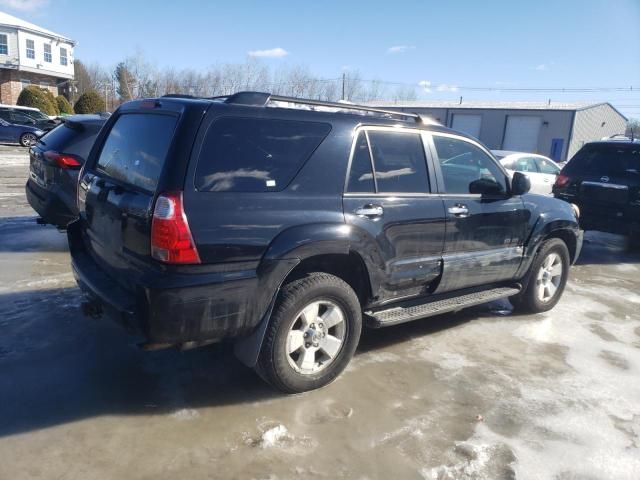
{"type": "Point", "coordinates": [44, 84]}
{"type": "Point", "coordinates": [4, 47]}
{"type": "Point", "coordinates": [47, 53]}
{"type": "Point", "coordinates": [25, 83]}
{"type": "Point", "coordinates": [63, 56]}
{"type": "Point", "coordinates": [31, 49]}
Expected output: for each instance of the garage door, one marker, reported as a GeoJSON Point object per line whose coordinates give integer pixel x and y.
{"type": "Point", "coordinates": [469, 124]}
{"type": "Point", "coordinates": [521, 134]}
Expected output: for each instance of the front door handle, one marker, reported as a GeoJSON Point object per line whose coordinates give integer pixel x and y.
{"type": "Point", "coordinates": [459, 210]}
{"type": "Point", "coordinates": [370, 211]}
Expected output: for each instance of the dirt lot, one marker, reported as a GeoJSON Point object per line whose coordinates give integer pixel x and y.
{"type": "Point", "coordinates": [479, 394]}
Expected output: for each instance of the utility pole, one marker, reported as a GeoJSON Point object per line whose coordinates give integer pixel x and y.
{"type": "Point", "coordinates": [344, 76]}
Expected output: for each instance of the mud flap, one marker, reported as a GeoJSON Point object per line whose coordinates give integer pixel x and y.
{"type": "Point", "coordinates": [247, 349]}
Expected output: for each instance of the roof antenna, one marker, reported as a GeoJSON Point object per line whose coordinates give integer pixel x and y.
{"type": "Point", "coordinates": [460, 101]}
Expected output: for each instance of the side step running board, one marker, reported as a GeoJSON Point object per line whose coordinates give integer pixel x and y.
{"type": "Point", "coordinates": [396, 315]}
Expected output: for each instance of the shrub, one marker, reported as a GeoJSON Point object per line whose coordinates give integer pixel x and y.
{"type": "Point", "coordinates": [90, 102]}
{"type": "Point", "coordinates": [63, 105]}
{"type": "Point", "coordinates": [52, 100]}
{"type": "Point", "coordinates": [36, 97]}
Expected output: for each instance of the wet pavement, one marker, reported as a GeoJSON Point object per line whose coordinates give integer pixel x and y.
{"type": "Point", "coordinates": [481, 394]}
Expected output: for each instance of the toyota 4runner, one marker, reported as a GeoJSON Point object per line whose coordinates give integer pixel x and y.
{"type": "Point", "coordinates": [285, 225]}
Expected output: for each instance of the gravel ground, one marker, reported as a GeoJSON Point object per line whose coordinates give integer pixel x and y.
{"type": "Point", "coordinates": [481, 394]}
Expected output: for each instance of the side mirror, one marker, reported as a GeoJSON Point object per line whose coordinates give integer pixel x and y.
{"type": "Point", "coordinates": [520, 183]}
{"type": "Point", "coordinates": [486, 186]}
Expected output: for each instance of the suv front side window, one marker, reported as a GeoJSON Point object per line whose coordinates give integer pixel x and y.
{"type": "Point", "coordinates": [466, 168]}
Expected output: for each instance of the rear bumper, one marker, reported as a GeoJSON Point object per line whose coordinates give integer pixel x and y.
{"type": "Point", "coordinates": [620, 219]}
{"type": "Point", "coordinates": [48, 204]}
{"type": "Point", "coordinates": [178, 308]}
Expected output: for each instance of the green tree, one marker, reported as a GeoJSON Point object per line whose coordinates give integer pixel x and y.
{"type": "Point", "coordinates": [36, 97]}
{"type": "Point", "coordinates": [63, 105]}
{"type": "Point", "coordinates": [90, 102]}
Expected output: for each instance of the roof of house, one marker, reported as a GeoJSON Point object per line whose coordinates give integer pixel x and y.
{"type": "Point", "coordinates": [11, 21]}
{"type": "Point", "coordinates": [488, 105]}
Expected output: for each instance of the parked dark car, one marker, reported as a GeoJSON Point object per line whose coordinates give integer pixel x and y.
{"type": "Point", "coordinates": [55, 163]}
{"type": "Point", "coordinates": [603, 180]}
{"type": "Point", "coordinates": [25, 135]}
{"type": "Point", "coordinates": [284, 224]}
{"type": "Point", "coordinates": [33, 118]}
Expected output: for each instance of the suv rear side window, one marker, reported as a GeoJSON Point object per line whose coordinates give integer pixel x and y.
{"type": "Point", "coordinates": [399, 162]}
{"type": "Point", "coordinates": [255, 154]}
{"type": "Point", "coordinates": [361, 172]}
{"type": "Point", "coordinates": [136, 147]}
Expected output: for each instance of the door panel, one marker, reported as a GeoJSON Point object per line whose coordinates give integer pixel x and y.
{"type": "Point", "coordinates": [407, 226]}
{"type": "Point", "coordinates": [484, 231]}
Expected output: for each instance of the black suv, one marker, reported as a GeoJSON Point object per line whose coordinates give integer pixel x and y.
{"type": "Point", "coordinates": [55, 162]}
{"type": "Point", "coordinates": [285, 224]}
{"type": "Point", "coordinates": [603, 180]}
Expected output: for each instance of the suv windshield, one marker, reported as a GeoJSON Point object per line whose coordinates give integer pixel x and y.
{"type": "Point", "coordinates": [606, 159]}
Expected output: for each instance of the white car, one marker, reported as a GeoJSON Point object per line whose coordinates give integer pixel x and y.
{"type": "Point", "coordinates": [542, 171]}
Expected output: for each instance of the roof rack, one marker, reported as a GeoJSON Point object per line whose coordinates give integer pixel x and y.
{"type": "Point", "coordinates": [261, 99]}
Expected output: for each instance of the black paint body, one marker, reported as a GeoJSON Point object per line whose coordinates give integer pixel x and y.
{"type": "Point", "coordinates": [250, 242]}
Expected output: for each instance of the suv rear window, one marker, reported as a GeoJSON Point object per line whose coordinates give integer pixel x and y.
{"type": "Point", "coordinates": [75, 139]}
{"type": "Point", "coordinates": [255, 154]}
{"type": "Point", "coordinates": [607, 159]}
{"type": "Point", "coordinates": [136, 147]}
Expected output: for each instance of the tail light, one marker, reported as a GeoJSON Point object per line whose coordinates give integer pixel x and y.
{"type": "Point", "coordinates": [171, 239]}
{"type": "Point", "coordinates": [62, 160]}
{"type": "Point", "coordinates": [562, 181]}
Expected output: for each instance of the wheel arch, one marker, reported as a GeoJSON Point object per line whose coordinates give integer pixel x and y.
{"type": "Point", "coordinates": [335, 248]}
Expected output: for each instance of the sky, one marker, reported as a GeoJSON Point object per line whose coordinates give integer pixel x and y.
{"type": "Point", "coordinates": [444, 46]}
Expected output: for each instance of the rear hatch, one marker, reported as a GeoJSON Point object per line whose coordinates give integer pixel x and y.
{"type": "Point", "coordinates": [605, 176]}
{"type": "Point", "coordinates": [141, 143]}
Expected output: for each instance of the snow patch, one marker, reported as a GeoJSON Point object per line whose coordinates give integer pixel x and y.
{"type": "Point", "coordinates": [185, 414]}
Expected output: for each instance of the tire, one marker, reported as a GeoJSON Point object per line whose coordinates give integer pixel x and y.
{"type": "Point", "coordinates": [544, 289]}
{"type": "Point", "coordinates": [28, 139]}
{"type": "Point", "coordinates": [301, 351]}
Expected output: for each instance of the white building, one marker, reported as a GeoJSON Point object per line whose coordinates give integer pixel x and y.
{"type": "Point", "coordinates": [31, 55]}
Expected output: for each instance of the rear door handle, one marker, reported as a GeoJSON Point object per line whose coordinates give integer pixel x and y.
{"type": "Point", "coordinates": [459, 210]}
{"type": "Point", "coordinates": [370, 211]}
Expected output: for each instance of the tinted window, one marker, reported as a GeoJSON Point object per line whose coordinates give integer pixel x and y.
{"type": "Point", "coordinates": [545, 166]}
{"type": "Point", "coordinates": [69, 138]}
{"type": "Point", "coordinates": [399, 162]}
{"type": "Point", "coordinates": [254, 154]}
{"type": "Point", "coordinates": [21, 119]}
{"type": "Point", "coordinates": [136, 147]}
{"type": "Point", "coordinates": [467, 168]}
{"type": "Point", "coordinates": [361, 175]}
{"type": "Point", "coordinates": [606, 160]}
